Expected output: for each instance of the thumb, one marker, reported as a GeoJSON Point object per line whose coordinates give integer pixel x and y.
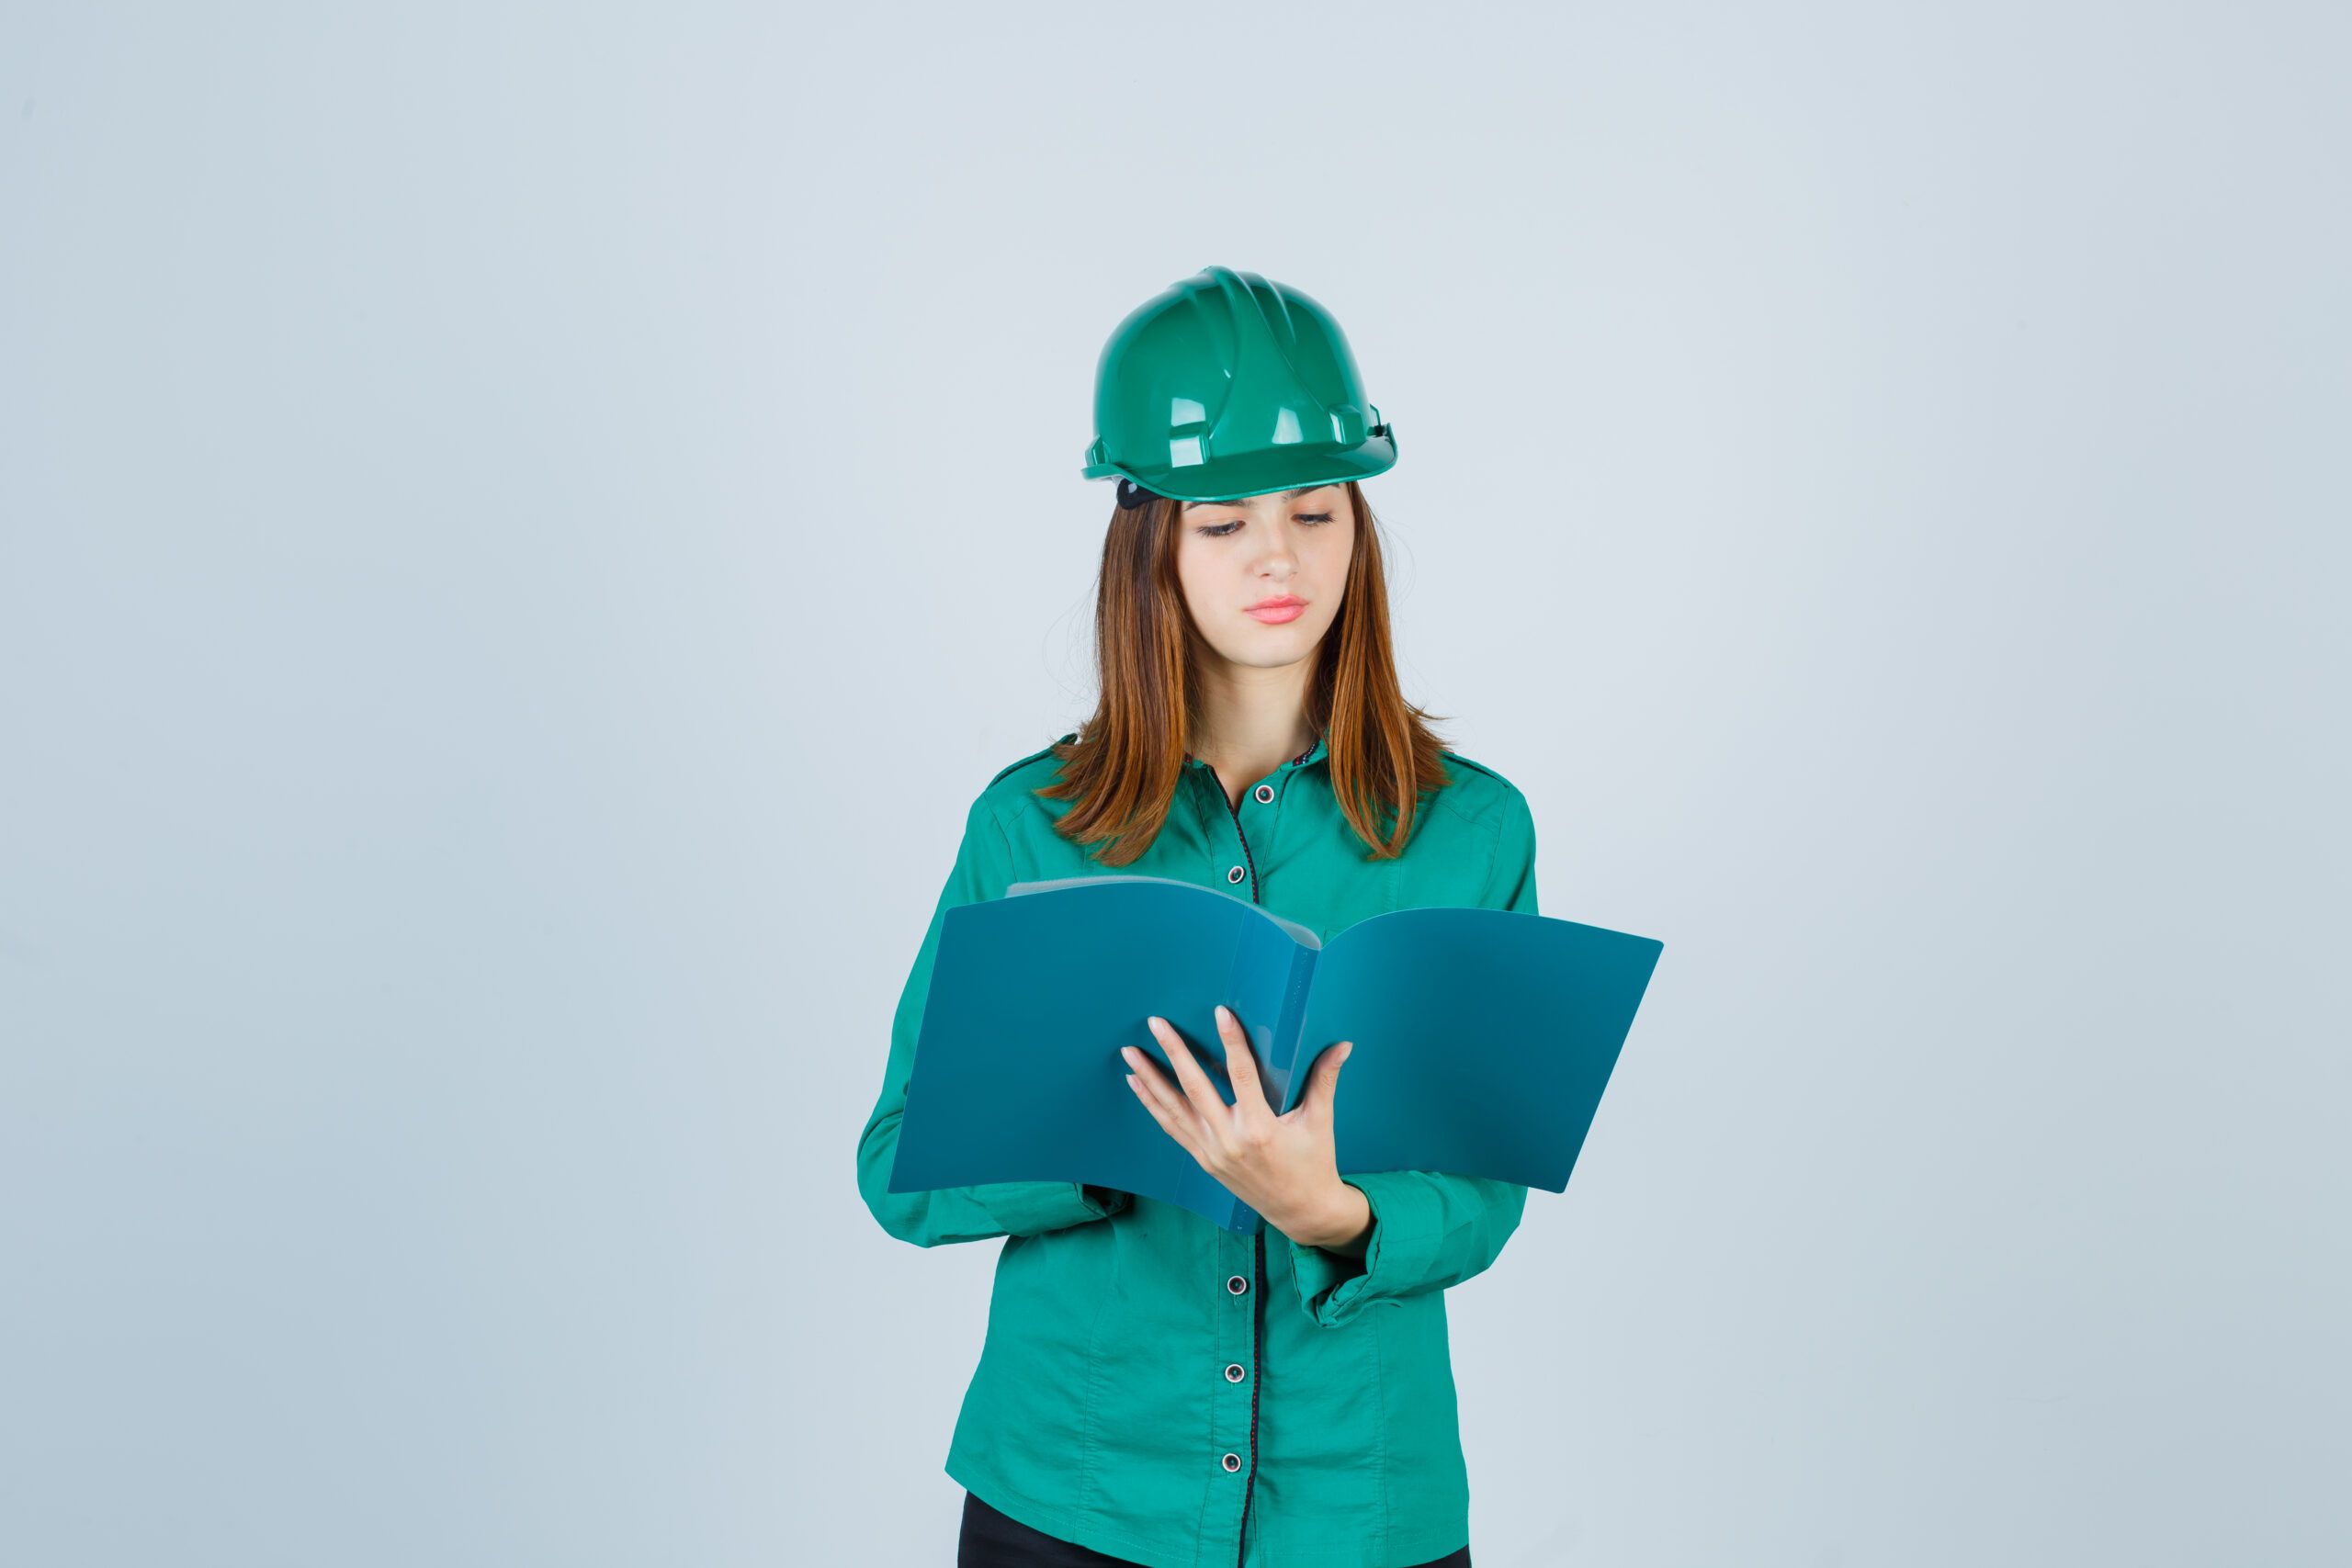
{"type": "Point", "coordinates": [1325, 1084]}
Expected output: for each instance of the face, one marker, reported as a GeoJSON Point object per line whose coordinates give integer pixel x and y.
{"type": "Point", "coordinates": [1233, 556]}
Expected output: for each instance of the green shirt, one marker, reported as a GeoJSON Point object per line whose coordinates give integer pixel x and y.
{"type": "Point", "coordinates": [1152, 1385]}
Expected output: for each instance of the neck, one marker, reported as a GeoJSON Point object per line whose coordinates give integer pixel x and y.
{"type": "Point", "coordinates": [1253, 721]}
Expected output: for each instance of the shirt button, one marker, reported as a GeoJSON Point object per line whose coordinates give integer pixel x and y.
{"type": "Point", "coordinates": [1233, 1461]}
{"type": "Point", "coordinates": [1236, 1284]}
{"type": "Point", "coordinates": [1264, 793]}
{"type": "Point", "coordinates": [1235, 1372]}
{"type": "Point", "coordinates": [1235, 874]}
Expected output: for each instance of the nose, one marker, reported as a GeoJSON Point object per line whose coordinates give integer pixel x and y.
{"type": "Point", "coordinates": [1279, 557]}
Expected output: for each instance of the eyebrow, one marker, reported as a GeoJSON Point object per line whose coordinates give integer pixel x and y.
{"type": "Point", "coordinates": [1238, 500]}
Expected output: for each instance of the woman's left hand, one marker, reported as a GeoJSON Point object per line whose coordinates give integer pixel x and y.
{"type": "Point", "coordinates": [1285, 1167]}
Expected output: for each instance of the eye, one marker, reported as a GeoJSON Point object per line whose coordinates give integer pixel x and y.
{"type": "Point", "coordinates": [1219, 530]}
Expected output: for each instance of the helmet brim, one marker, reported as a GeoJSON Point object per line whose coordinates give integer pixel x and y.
{"type": "Point", "coordinates": [1247, 474]}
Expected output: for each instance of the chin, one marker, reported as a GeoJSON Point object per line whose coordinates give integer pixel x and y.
{"type": "Point", "coordinates": [1273, 646]}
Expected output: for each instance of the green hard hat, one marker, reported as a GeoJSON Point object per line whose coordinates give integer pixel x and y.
{"type": "Point", "coordinates": [1226, 385]}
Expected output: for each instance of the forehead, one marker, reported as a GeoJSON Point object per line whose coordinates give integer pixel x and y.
{"type": "Point", "coordinates": [1274, 497]}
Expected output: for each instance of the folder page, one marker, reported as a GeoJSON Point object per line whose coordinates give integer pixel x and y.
{"type": "Point", "coordinates": [1483, 1038]}
{"type": "Point", "coordinates": [1017, 1072]}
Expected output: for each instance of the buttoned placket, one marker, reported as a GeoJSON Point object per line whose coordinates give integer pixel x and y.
{"type": "Point", "coordinates": [1252, 821]}
{"type": "Point", "coordinates": [1255, 816]}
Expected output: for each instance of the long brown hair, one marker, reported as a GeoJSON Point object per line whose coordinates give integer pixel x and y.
{"type": "Point", "coordinates": [1122, 768]}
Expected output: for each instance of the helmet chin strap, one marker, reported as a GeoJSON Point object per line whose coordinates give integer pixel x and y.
{"type": "Point", "coordinates": [1132, 496]}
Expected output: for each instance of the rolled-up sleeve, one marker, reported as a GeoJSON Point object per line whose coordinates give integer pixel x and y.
{"type": "Point", "coordinates": [1429, 1229]}
{"type": "Point", "coordinates": [982, 871]}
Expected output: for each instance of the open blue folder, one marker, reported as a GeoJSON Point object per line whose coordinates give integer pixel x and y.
{"type": "Point", "coordinates": [1482, 1037]}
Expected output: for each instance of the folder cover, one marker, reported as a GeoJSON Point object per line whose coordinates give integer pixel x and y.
{"type": "Point", "coordinates": [1483, 1038]}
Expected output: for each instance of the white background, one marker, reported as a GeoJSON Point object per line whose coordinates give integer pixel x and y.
{"type": "Point", "coordinates": [520, 530]}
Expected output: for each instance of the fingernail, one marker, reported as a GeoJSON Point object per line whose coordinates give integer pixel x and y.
{"type": "Point", "coordinates": [1222, 1012]}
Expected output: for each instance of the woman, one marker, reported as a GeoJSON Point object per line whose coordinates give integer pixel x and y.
{"type": "Point", "coordinates": [1154, 1389]}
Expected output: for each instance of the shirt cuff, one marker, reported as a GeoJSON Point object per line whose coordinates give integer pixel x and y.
{"type": "Point", "coordinates": [1026, 1208]}
{"type": "Point", "coordinates": [1401, 1249]}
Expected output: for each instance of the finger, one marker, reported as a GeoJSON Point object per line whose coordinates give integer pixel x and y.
{"type": "Point", "coordinates": [1153, 1085]}
{"type": "Point", "coordinates": [1168, 1123]}
{"type": "Point", "coordinates": [1248, 1090]}
{"type": "Point", "coordinates": [1323, 1084]}
{"type": "Point", "coordinates": [1206, 1102]}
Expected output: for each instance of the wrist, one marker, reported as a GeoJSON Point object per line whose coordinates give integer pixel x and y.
{"type": "Point", "coordinates": [1341, 1223]}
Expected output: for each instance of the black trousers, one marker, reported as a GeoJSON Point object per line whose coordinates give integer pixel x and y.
{"type": "Point", "coordinates": [992, 1540]}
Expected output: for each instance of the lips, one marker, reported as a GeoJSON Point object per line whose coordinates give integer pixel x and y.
{"type": "Point", "coordinates": [1281, 607]}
